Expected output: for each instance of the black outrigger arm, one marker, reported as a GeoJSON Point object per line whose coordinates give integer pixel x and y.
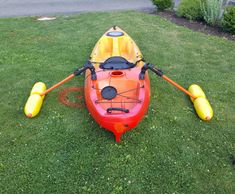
{"type": "Point", "coordinates": [152, 68]}
{"type": "Point", "coordinates": [87, 65]}
{"type": "Point", "coordinates": [160, 74]}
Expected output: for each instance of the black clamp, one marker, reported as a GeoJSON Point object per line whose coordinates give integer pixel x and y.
{"type": "Point", "coordinates": [152, 68]}
{"type": "Point", "coordinates": [88, 65]}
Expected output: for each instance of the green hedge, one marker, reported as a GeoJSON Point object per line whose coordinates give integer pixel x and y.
{"type": "Point", "coordinates": [228, 22]}
{"type": "Point", "coordinates": [190, 9]}
{"type": "Point", "coordinates": [163, 4]}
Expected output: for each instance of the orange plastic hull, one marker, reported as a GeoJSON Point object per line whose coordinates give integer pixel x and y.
{"type": "Point", "coordinates": [132, 94]}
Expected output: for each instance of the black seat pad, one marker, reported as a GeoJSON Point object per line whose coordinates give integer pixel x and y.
{"type": "Point", "coordinates": [116, 63]}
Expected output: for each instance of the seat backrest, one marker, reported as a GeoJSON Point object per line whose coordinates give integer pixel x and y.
{"type": "Point", "coordinates": [116, 63]}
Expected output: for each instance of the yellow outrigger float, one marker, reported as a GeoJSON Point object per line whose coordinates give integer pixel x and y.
{"type": "Point", "coordinates": [108, 49]}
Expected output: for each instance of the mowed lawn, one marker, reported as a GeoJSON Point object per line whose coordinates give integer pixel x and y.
{"type": "Point", "coordinates": [63, 150]}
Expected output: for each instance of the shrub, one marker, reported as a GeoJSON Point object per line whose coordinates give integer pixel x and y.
{"type": "Point", "coordinates": [190, 9]}
{"type": "Point", "coordinates": [163, 4]}
{"type": "Point", "coordinates": [212, 11]}
{"type": "Point", "coordinates": [228, 22]}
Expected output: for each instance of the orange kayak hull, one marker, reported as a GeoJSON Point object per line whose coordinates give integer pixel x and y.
{"type": "Point", "coordinates": [117, 100]}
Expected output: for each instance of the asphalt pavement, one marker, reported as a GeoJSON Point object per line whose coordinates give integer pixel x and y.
{"type": "Point", "coordinates": [13, 8]}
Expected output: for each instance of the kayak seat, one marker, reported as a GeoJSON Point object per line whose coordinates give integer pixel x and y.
{"type": "Point", "coordinates": [116, 63]}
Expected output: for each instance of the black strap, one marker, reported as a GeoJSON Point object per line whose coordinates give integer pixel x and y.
{"type": "Point", "coordinates": [109, 110]}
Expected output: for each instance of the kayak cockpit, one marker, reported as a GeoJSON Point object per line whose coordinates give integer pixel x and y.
{"type": "Point", "coordinates": [115, 42]}
{"type": "Point", "coordinates": [117, 91]}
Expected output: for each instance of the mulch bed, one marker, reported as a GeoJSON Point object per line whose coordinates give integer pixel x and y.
{"type": "Point", "coordinates": [195, 25]}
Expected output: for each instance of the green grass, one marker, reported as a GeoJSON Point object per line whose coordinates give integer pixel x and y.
{"type": "Point", "coordinates": [64, 151]}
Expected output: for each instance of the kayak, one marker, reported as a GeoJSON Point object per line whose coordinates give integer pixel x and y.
{"type": "Point", "coordinates": [117, 99]}
{"type": "Point", "coordinates": [117, 86]}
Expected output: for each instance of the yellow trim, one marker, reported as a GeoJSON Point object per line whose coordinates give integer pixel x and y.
{"type": "Point", "coordinates": [122, 46]}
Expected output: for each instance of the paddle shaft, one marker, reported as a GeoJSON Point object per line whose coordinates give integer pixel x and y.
{"type": "Point", "coordinates": [163, 76]}
{"type": "Point", "coordinates": [178, 86]}
{"type": "Point", "coordinates": [78, 72]}
{"type": "Point", "coordinates": [58, 84]}
{"type": "Point", "coordinates": [160, 74]}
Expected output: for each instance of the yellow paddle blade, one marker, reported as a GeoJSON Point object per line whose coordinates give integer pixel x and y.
{"type": "Point", "coordinates": [203, 108]}
{"type": "Point", "coordinates": [35, 100]}
{"type": "Point", "coordinates": [197, 91]}
{"type": "Point", "coordinates": [201, 104]}
{"type": "Point", "coordinates": [38, 88]}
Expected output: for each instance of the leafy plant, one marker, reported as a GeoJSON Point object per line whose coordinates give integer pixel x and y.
{"type": "Point", "coordinates": [163, 4]}
{"type": "Point", "coordinates": [190, 9]}
{"type": "Point", "coordinates": [228, 22]}
{"type": "Point", "coordinates": [212, 11]}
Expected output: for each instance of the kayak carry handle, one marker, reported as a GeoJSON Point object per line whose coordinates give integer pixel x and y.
{"type": "Point", "coordinates": [109, 110]}
{"type": "Point", "coordinates": [197, 96]}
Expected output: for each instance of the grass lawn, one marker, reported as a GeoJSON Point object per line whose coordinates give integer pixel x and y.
{"type": "Point", "coordinates": [64, 151]}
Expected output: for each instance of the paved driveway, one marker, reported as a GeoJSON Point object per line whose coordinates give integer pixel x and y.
{"type": "Point", "coordinates": [9, 8]}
